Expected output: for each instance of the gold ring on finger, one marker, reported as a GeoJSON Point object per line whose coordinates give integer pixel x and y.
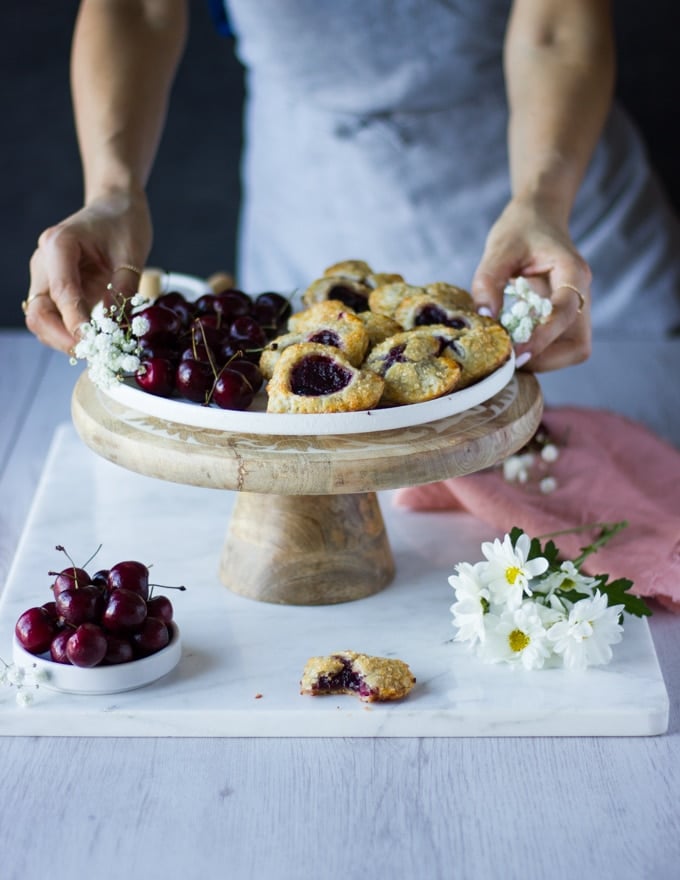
{"type": "Point", "coordinates": [581, 297]}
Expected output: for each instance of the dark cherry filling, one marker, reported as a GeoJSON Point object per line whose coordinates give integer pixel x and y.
{"type": "Point", "coordinates": [394, 356]}
{"type": "Point", "coordinates": [435, 315]}
{"type": "Point", "coordinates": [349, 297]}
{"type": "Point", "coordinates": [317, 374]}
{"type": "Point", "coordinates": [325, 337]}
{"type": "Point", "coordinates": [449, 343]}
{"type": "Point", "coordinates": [346, 679]}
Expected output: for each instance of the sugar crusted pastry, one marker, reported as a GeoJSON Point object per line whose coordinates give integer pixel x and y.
{"type": "Point", "coordinates": [372, 679]}
{"type": "Point", "coordinates": [314, 378]}
{"type": "Point", "coordinates": [415, 366]}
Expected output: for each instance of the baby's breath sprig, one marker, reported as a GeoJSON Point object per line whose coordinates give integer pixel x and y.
{"type": "Point", "coordinates": [110, 341]}
{"type": "Point", "coordinates": [524, 604]}
{"type": "Point", "coordinates": [523, 309]}
{"type": "Point", "coordinates": [24, 680]}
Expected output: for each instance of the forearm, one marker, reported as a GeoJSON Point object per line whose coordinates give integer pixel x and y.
{"type": "Point", "coordinates": [125, 53]}
{"type": "Point", "coordinates": [559, 61]}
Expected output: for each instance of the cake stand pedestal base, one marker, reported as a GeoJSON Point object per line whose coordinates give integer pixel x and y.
{"type": "Point", "coordinates": [306, 549]}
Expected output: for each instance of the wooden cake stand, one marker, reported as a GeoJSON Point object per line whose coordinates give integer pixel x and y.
{"type": "Point", "coordinates": [307, 528]}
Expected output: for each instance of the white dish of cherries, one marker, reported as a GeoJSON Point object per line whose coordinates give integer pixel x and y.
{"type": "Point", "coordinates": [99, 634]}
{"type": "Point", "coordinates": [200, 368]}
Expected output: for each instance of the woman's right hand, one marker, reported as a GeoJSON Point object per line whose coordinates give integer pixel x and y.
{"type": "Point", "coordinates": [77, 259]}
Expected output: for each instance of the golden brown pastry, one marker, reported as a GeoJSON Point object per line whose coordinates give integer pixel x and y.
{"type": "Point", "coordinates": [421, 310]}
{"type": "Point", "coordinates": [386, 299]}
{"type": "Point", "coordinates": [378, 327]}
{"type": "Point", "coordinates": [355, 270]}
{"type": "Point", "coordinates": [415, 366]}
{"type": "Point", "coordinates": [372, 679]}
{"type": "Point", "coordinates": [480, 351]}
{"type": "Point", "coordinates": [314, 378]}
{"type": "Point", "coordinates": [328, 323]}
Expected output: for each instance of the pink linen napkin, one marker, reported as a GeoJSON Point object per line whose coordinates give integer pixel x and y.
{"type": "Point", "coordinates": [609, 469]}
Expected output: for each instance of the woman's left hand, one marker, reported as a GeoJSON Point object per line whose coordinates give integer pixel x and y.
{"type": "Point", "coordinates": [526, 241]}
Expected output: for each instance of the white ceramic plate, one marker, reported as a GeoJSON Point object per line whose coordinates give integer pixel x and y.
{"type": "Point", "coordinates": [102, 679]}
{"type": "Point", "coordinates": [256, 420]}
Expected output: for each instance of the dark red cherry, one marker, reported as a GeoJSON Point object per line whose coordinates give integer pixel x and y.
{"type": "Point", "coordinates": [271, 309]}
{"type": "Point", "coordinates": [248, 333]}
{"type": "Point", "coordinates": [205, 304]}
{"type": "Point", "coordinates": [35, 630]}
{"type": "Point", "coordinates": [129, 575]}
{"type": "Point", "coordinates": [160, 320]}
{"type": "Point", "coordinates": [152, 637]}
{"type": "Point", "coordinates": [232, 390]}
{"type": "Point", "coordinates": [118, 649]}
{"type": "Point", "coordinates": [58, 646]}
{"type": "Point", "coordinates": [156, 376]}
{"type": "Point", "coordinates": [81, 605]}
{"type": "Point", "coordinates": [159, 348]}
{"type": "Point", "coordinates": [177, 302]}
{"type": "Point", "coordinates": [125, 612]}
{"type": "Point", "coordinates": [160, 607]}
{"type": "Point", "coordinates": [233, 303]}
{"type": "Point", "coordinates": [194, 379]}
{"type": "Point", "coordinates": [250, 370]}
{"type": "Point", "coordinates": [51, 609]}
{"type": "Point", "coordinates": [68, 578]}
{"type": "Point", "coordinates": [86, 646]}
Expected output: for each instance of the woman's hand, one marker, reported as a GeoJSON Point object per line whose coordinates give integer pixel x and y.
{"type": "Point", "coordinates": [78, 258]}
{"type": "Point", "coordinates": [525, 241]}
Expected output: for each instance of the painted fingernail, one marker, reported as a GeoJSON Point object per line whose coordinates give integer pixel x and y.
{"type": "Point", "coordinates": [522, 359]}
{"type": "Point", "coordinates": [485, 312]}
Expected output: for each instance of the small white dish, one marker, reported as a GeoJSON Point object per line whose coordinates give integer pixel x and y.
{"type": "Point", "coordinates": [102, 679]}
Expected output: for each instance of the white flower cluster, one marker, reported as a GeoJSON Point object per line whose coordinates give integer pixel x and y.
{"type": "Point", "coordinates": [25, 681]}
{"type": "Point", "coordinates": [523, 310]}
{"type": "Point", "coordinates": [515, 609]}
{"type": "Point", "coordinates": [110, 344]}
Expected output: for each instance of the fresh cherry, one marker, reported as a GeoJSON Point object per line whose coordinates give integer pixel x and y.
{"type": "Point", "coordinates": [152, 637]}
{"type": "Point", "coordinates": [160, 320]}
{"type": "Point", "coordinates": [156, 376]}
{"type": "Point", "coordinates": [129, 575]}
{"type": "Point", "coordinates": [250, 370]}
{"type": "Point", "coordinates": [177, 302]}
{"type": "Point", "coordinates": [35, 630]}
{"type": "Point", "coordinates": [160, 607]}
{"type": "Point", "coordinates": [232, 390]}
{"type": "Point", "coordinates": [69, 578]}
{"type": "Point", "coordinates": [58, 646]}
{"type": "Point", "coordinates": [125, 612]}
{"type": "Point", "coordinates": [247, 332]}
{"type": "Point", "coordinates": [86, 646]}
{"type": "Point", "coordinates": [82, 605]}
{"type": "Point", "coordinates": [232, 304]}
{"type": "Point", "coordinates": [271, 310]}
{"type": "Point", "coordinates": [118, 649]}
{"type": "Point", "coordinates": [194, 379]}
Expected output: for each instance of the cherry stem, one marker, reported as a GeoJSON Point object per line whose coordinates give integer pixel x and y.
{"type": "Point", "coordinates": [164, 587]}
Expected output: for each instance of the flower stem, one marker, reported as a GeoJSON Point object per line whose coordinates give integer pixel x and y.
{"type": "Point", "coordinates": [607, 532]}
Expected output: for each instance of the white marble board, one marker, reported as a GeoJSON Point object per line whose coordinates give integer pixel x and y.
{"type": "Point", "coordinates": [241, 660]}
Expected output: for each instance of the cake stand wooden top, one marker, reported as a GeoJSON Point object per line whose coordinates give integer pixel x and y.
{"type": "Point", "coordinates": [306, 465]}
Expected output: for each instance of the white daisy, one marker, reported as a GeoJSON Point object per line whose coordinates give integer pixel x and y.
{"type": "Point", "coordinates": [471, 605]}
{"type": "Point", "coordinates": [517, 636]}
{"type": "Point", "coordinates": [585, 637]}
{"type": "Point", "coordinates": [508, 570]}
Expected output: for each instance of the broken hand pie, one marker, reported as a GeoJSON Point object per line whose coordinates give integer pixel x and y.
{"type": "Point", "coordinates": [372, 679]}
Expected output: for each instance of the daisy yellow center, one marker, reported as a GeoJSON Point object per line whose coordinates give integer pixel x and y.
{"type": "Point", "coordinates": [518, 640]}
{"type": "Point", "coordinates": [512, 573]}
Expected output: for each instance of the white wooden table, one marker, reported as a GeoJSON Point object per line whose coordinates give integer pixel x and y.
{"type": "Point", "coordinates": [338, 808]}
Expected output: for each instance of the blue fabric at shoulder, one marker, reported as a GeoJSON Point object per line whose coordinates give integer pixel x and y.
{"type": "Point", "coordinates": [220, 18]}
